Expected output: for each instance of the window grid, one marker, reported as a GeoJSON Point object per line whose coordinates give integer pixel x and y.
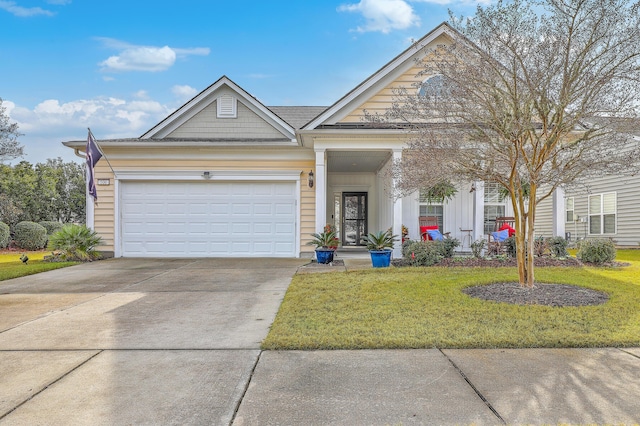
{"type": "Point", "coordinates": [602, 213]}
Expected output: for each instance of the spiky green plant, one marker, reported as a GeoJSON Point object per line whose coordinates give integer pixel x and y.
{"type": "Point", "coordinates": [76, 242]}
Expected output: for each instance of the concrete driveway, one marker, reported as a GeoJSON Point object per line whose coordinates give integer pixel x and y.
{"type": "Point", "coordinates": [136, 341]}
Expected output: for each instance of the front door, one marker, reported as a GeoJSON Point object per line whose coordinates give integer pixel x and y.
{"type": "Point", "coordinates": [354, 218]}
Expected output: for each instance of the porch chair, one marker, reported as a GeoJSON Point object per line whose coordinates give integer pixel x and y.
{"type": "Point", "coordinates": [427, 223]}
{"type": "Point", "coordinates": [503, 228]}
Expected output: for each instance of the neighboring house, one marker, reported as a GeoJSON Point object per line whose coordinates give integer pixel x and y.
{"type": "Point", "coordinates": [610, 208]}
{"type": "Point", "coordinates": [226, 176]}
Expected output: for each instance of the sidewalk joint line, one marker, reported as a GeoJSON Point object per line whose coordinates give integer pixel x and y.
{"type": "Point", "coordinates": [466, 379]}
{"type": "Point", "coordinates": [47, 386]}
{"type": "Point", "coordinates": [246, 388]}
{"type": "Point", "coordinates": [628, 353]}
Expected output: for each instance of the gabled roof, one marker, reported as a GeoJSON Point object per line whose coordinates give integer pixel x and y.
{"type": "Point", "coordinates": [380, 78]}
{"type": "Point", "coordinates": [207, 97]}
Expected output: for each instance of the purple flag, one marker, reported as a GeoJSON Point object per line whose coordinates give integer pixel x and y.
{"type": "Point", "coordinates": [93, 155]}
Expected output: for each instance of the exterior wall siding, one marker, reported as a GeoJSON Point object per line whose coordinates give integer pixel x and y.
{"type": "Point", "coordinates": [205, 124]}
{"type": "Point", "coordinates": [627, 191]}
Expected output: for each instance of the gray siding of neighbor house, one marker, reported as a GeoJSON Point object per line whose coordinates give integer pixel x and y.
{"type": "Point", "coordinates": [205, 124]}
{"type": "Point", "coordinates": [627, 189]}
{"type": "Point", "coordinates": [544, 218]}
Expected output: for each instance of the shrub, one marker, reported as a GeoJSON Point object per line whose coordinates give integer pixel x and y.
{"type": "Point", "coordinates": [30, 235]}
{"type": "Point", "coordinates": [477, 246]}
{"type": "Point", "coordinates": [423, 253]}
{"type": "Point", "coordinates": [428, 253]}
{"type": "Point", "coordinates": [449, 245]}
{"type": "Point", "coordinates": [510, 246]}
{"type": "Point", "coordinates": [558, 246]}
{"type": "Point", "coordinates": [76, 242]}
{"type": "Point", "coordinates": [596, 251]}
{"type": "Point", "coordinates": [5, 235]}
{"type": "Point", "coordinates": [51, 226]}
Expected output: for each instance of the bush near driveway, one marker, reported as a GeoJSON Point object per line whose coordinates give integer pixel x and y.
{"type": "Point", "coordinates": [426, 308]}
{"type": "Point", "coordinates": [30, 235]}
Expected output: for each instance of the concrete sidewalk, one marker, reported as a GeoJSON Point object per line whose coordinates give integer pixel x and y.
{"type": "Point", "coordinates": [449, 387]}
{"type": "Point", "coordinates": [177, 341]}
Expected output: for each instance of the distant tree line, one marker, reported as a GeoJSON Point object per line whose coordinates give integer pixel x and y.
{"type": "Point", "coordinates": [51, 191]}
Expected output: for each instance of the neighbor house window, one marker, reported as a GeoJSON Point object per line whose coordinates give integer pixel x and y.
{"type": "Point", "coordinates": [602, 213]}
{"type": "Point", "coordinates": [429, 209]}
{"type": "Point", "coordinates": [494, 206]}
{"type": "Point", "coordinates": [569, 209]}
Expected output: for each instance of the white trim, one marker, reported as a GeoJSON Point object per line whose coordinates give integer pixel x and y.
{"type": "Point", "coordinates": [321, 189]}
{"type": "Point", "coordinates": [601, 213]}
{"type": "Point", "coordinates": [214, 175]}
{"type": "Point", "coordinates": [117, 223]}
{"type": "Point", "coordinates": [397, 212]}
{"type": "Point", "coordinates": [559, 216]}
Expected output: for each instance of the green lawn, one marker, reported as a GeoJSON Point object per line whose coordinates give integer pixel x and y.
{"type": "Point", "coordinates": [425, 308]}
{"type": "Point", "coordinates": [12, 267]}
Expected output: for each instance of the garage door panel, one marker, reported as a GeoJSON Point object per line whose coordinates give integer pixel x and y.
{"type": "Point", "coordinates": [208, 219]}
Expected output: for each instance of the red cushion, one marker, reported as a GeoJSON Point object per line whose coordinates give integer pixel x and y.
{"type": "Point", "coordinates": [423, 231]}
{"type": "Point", "coordinates": [512, 231]}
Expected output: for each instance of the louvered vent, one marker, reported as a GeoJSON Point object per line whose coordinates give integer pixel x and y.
{"type": "Point", "coordinates": [227, 106]}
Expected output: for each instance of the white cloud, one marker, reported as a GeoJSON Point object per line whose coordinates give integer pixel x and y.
{"type": "Point", "coordinates": [144, 58]}
{"type": "Point", "coordinates": [23, 12]}
{"type": "Point", "coordinates": [50, 122]}
{"type": "Point", "coordinates": [141, 59]}
{"type": "Point", "coordinates": [184, 93]}
{"type": "Point", "coordinates": [455, 2]}
{"type": "Point", "coordinates": [383, 15]}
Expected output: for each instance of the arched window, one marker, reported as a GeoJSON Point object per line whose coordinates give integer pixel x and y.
{"type": "Point", "coordinates": [432, 86]}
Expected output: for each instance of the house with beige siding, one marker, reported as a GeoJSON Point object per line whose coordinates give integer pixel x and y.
{"type": "Point", "coordinates": [226, 176]}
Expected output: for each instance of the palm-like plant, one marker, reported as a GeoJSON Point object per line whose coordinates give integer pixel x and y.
{"type": "Point", "coordinates": [325, 239]}
{"type": "Point", "coordinates": [76, 242]}
{"type": "Point", "coordinates": [381, 240]}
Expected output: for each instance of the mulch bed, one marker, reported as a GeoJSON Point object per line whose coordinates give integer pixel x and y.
{"type": "Point", "coordinates": [508, 262]}
{"type": "Point", "coordinates": [541, 294]}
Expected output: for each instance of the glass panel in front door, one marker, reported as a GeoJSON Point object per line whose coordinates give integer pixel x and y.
{"type": "Point", "coordinates": [354, 216]}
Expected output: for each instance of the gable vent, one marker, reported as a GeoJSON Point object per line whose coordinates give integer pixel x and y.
{"type": "Point", "coordinates": [227, 107]}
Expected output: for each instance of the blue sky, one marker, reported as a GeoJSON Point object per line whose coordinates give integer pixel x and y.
{"type": "Point", "coordinates": [120, 67]}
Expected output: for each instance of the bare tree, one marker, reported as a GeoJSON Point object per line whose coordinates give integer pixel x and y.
{"type": "Point", "coordinates": [10, 148]}
{"type": "Point", "coordinates": [533, 96]}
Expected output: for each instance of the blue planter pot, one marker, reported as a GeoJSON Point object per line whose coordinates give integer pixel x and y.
{"type": "Point", "coordinates": [324, 255]}
{"type": "Point", "coordinates": [380, 258]}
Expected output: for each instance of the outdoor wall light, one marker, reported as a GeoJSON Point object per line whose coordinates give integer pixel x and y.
{"type": "Point", "coordinates": [206, 175]}
{"type": "Point", "coordinates": [311, 179]}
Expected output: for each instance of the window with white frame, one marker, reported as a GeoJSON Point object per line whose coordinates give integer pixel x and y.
{"type": "Point", "coordinates": [494, 206]}
{"type": "Point", "coordinates": [602, 213]}
{"type": "Point", "coordinates": [569, 209]}
{"type": "Point", "coordinates": [430, 209]}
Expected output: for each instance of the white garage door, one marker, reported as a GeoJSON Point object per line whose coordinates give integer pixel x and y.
{"type": "Point", "coordinates": [217, 219]}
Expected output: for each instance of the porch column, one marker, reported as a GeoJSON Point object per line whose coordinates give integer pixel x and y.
{"type": "Point", "coordinates": [478, 210]}
{"type": "Point", "coordinates": [321, 189]}
{"type": "Point", "coordinates": [558, 213]}
{"type": "Point", "coordinates": [397, 212]}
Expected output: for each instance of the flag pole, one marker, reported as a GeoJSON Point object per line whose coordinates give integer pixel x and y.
{"type": "Point", "coordinates": [102, 152]}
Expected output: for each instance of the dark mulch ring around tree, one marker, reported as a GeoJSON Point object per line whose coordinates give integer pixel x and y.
{"type": "Point", "coordinates": [542, 294]}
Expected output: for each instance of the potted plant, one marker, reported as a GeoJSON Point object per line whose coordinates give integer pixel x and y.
{"type": "Point", "coordinates": [380, 245]}
{"type": "Point", "coordinates": [326, 244]}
